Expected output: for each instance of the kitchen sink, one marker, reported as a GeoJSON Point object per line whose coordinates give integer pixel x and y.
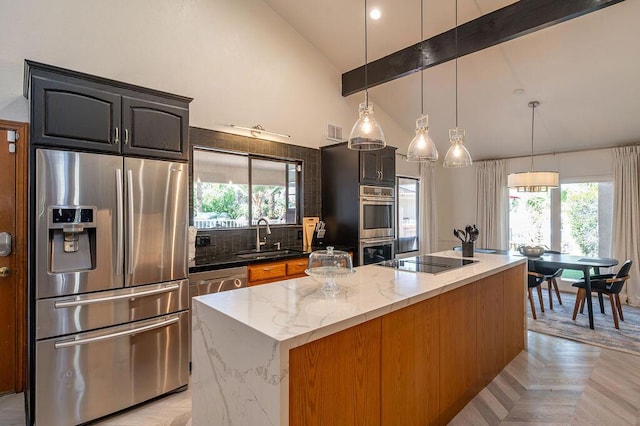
{"type": "Point", "coordinates": [268, 254]}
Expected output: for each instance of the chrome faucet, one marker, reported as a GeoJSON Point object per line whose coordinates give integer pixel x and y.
{"type": "Point", "coordinates": [258, 242]}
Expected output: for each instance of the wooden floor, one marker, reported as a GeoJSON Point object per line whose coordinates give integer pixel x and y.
{"type": "Point", "coordinates": [555, 382]}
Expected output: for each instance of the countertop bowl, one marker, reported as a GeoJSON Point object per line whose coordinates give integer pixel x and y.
{"type": "Point", "coordinates": [532, 251]}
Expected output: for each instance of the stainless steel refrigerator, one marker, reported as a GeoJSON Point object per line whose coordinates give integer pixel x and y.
{"type": "Point", "coordinates": [111, 294]}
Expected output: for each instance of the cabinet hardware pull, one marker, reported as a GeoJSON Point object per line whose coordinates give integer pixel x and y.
{"type": "Point", "coordinates": [267, 269]}
{"type": "Point", "coordinates": [126, 136]}
{"type": "Point", "coordinates": [116, 139]}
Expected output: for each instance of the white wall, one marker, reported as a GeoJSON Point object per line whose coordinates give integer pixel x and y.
{"type": "Point", "coordinates": [238, 59]}
{"type": "Point", "coordinates": [457, 187]}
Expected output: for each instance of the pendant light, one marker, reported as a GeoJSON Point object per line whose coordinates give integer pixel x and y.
{"type": "Point", "coordinates": [533, 181]}
{"type": "Point", "coordinates": [422, 147]}
{"type": "Point", "coordinates": [457, 155]}
{"type": "Point", "coordinates": [366, 134]}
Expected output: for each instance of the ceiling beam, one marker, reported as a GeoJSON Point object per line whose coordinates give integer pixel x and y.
{"type": "Point", "coordinates": [520, 18]}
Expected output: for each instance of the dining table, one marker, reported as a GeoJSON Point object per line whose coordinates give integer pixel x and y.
{"type": "Point", "coordinates": [579, 263]}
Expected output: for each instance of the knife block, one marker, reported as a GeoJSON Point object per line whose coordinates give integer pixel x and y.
{"type": "Point", "coordinates": [318, 238]}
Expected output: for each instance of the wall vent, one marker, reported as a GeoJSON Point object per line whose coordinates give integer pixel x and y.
{"type": "Point", "coordinates": [334, 133]}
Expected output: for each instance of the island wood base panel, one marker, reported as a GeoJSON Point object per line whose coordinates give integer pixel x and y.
{"type": "Point", "coordinates": [415, 366]}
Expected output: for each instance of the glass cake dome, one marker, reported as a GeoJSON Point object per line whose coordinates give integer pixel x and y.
{"type": "Point", "coordinates": [330, 264]}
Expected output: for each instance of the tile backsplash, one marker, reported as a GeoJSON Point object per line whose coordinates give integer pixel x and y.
{"type": "Point", "coordinates": [233, 240]}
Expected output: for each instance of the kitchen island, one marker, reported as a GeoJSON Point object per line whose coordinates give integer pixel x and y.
{"type": "Point", "coordinates": [393, 347]}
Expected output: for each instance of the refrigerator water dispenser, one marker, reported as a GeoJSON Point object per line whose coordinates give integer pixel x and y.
{"type": "Point", "coordinates": [72, 238]}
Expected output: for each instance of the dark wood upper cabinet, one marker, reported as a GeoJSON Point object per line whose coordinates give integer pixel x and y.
{"type": "Point", "coordinates": [378, 167]}
{"type": "Point", "coordinates": [66, 115]}
{"type": "Point", "coordinates": [84, 112]}
{"type": "Point", "coordinates": [154, 129]}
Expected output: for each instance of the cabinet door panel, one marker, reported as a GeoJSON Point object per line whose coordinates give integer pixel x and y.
{"type": "Point", "coordinates": [336, 380]}
{"type": "Point", "coordinates": [369, 167]}
{"type": "Point", "coordinates": [410, 365]}
{"type": "Point", "coordinates": [388, 167]}
{"type": "Point", "coordinates": [74, 116]}
{"type": "Point", "coordinates": [490, 328]}
{"type": "Point", "coordinates": [155, 129]}
{"type": "Point", "coordinates": [514, 311]}
{"type": "Point", "coordinates": [458, 350]}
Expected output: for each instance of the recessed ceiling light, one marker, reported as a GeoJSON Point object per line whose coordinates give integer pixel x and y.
{"type": "Point", "coordinates": [375, 14]}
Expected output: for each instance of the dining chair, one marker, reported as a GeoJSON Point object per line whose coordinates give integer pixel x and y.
{"type": "Point", "coordinates": [608, 284]}
{"type": "Point", "coordinates": [551, 276]}
{"type": "Point", "coordinates": [534, 279]}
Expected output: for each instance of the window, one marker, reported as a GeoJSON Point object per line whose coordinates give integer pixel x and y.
{"type": "Point", "coordinates": [234, 190]}
{"type": "Point", "coordinates": [529, 218]}
{"type": "Point", "coordinates": [407, 214]}
{"type": "Point", "coordinates": [576, 219]}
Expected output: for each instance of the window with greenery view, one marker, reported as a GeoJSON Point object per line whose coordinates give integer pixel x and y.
{"type": "Point", "coordinates": [575, 219]}
{"type": "Point", "coordinates": [235, 190]}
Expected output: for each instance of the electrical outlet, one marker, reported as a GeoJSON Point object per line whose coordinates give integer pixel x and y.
{"type": "Point", "coordinates": [203, 240]}
{"type": "Point", "coordinates": [300, 235]}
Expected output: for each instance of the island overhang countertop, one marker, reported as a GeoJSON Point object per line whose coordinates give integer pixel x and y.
{"type": "Point", "coordinates": [296, 311]}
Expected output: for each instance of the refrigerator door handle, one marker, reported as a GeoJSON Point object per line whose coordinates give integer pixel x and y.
{"type": "Point", "coordinates": [80, 302]}
{"type": "Point", "coordinates": [119, 230]}
{"type": "Point", "coordinates": [71, 343]}
{"type": "Point", "coordinates": [130, 222]}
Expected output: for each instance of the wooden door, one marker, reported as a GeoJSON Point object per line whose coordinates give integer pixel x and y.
{"type": "Point", "coordinates": [13, 220]}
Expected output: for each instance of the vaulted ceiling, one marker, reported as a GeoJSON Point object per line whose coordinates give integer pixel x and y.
{"type": "Point", "coordinates": [585, 72]}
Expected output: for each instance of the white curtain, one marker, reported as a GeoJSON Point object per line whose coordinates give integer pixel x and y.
{"type": "Point", "coordinates": [492, 212]}
{"type": "Point", "coordinates": [626, 216]}
{"type": "Point", "coordinates": [428, 237]}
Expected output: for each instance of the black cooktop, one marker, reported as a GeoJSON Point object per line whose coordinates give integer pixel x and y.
{"type": "Point", "coordinates": [427, 263]}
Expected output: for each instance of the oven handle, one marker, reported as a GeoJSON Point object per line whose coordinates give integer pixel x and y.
{"type": "Point", "coordinates": [378, 200]}
{"type": "Point", "coordinates": [377, 241]}
{"type": "Point", "coordinates": [70, 343]}
{"type": "Point", "coordinates": [79, 302]}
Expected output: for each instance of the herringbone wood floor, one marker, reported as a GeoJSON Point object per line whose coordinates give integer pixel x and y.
{"type": "Point", "coordinates": [560, 382]}
{"type": "Point", "coordinates": [555, 382]}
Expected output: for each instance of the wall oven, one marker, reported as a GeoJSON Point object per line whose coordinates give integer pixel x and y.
{"type": "Point", "coordinates": [377, 212]}
{"type": "Point", "coordinates": [376, 250]}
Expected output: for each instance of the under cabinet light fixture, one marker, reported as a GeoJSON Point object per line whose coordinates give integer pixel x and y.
{"type": "Point", "coordinates": [259, 130]}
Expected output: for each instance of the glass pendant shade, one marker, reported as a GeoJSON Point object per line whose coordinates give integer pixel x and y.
{"type": "Point", "coordinates": [422, 147]}
{"type": "Point", "coordinates": [366, 134]}
{"type": "Point", "coordinates": [457, 155]}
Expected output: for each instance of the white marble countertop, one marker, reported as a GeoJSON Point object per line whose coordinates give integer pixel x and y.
{"type": "Point", "coordinates": [295, 311]}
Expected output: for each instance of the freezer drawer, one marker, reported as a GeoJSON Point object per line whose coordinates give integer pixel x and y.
{"type": "Point", "coordinates": [113, 368]}
{"type": "Point", "coordinates": [75, 314]}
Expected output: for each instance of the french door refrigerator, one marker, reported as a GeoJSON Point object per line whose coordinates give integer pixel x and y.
{"type": "Point", "coordinates": [110, 300]}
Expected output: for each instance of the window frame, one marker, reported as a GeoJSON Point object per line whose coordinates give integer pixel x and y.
{"type": "Point", "coordinates": [299, 168]}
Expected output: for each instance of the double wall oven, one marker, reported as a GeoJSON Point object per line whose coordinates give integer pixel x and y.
{"type": "Point", "coordinates": [377, 224]}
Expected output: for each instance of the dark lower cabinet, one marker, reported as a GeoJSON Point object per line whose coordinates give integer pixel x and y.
{"type": "Point", "coordinates": [84, 112]}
